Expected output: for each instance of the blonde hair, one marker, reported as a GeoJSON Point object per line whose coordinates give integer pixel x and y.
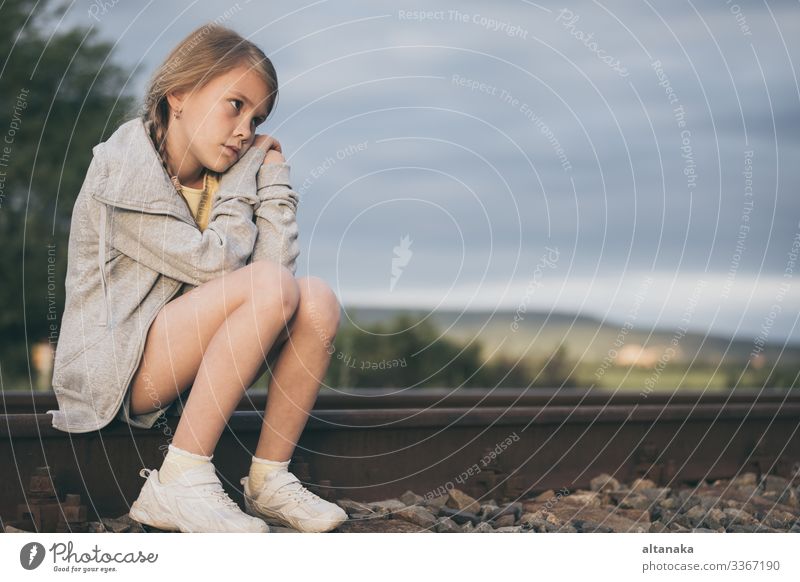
{"type": "Point", "coordinates": [207, 52]}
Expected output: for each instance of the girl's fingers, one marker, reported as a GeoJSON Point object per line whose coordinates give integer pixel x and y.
{"type": "Point", "coordinates": [268, 142]}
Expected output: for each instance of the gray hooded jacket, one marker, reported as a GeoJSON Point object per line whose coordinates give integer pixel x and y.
{"type": "Point", "coordinates": [134, 244]}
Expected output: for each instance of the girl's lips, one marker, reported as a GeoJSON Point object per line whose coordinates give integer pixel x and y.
{"type": "Point", "coordinates": [232, 151]}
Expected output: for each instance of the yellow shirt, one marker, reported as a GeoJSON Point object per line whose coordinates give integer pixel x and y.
{"type": "Point", "coordinates": [199, 199]}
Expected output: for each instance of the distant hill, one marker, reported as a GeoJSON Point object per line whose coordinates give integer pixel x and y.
{"type": "Point", "coordinates": [586, 338]}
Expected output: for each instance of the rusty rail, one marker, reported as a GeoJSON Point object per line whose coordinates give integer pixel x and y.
{"type": "Point", "coordinates": [369, 444]}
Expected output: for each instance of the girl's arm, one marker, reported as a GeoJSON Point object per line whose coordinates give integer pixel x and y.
{"type": "Point", "coordinates": [276, 216]}
{"type": "Point", "coordinates": [179, 250]}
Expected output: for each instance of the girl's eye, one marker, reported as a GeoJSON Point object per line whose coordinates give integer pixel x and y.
{"type": "Point", "coordinates": [257, 120]}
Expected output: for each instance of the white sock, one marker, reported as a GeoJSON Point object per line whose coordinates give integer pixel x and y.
{"type": "Point", "coordinates": [260, 468]}
{"type": "Point", "coordinates": [177, 461]}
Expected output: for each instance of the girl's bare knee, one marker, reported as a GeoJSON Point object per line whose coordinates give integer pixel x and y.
{"type": "Point", "coordinates": [273, 283]}
{"type": "Point", "coordinates": [319, 304]}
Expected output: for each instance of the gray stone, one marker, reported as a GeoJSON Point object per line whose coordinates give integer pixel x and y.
{"type": "Point", "coordinates": [545, 496]}
{"type": "Point", "coordinates": [416, 514]}
{"type": "Point", "coordinates": [789, 497]}
{"type": "Point", "coordinates": [514, 509]}
{"type": "Point", "coordinates": [386, 505]}
{"type": "Point", "coordinates": [458, 516]}
{"type": "Point", "coordinates": [669, 503]}
{"type": "Point", "coordinates": [634, 501]}
{"type": "Point", "coordinates": [779, 519]}
{"type": "Point", "coordinates": [695, 515]}
{"type": "Point", "coordinates": [354, 508]}
{"type": "Point", "coordinates": [655, 494]}
{"type": "Point", "coordinates": [745, 479]}
{"type": "Point", "coordinates": [461, 501]}
{"type": "Point", "coordinates": [509, 529]}
{"type": "Point", "coordinates": [506, 520]}
{"type": "Point", "coordinates": [116, 525]}
{"type": "Point", "coordinates": [737, 516]}
{"type": "Point", "coordinates": [447, 525]}
{"type": "Point", "coordinates": [134, 526]}
{"type": "Point", "coordinates": [411, 498]}
{"type": "Point", "coordinates": [590, 526]}
{"type": "Point", "coordinates": [536, 521]}
{"type": "Point", "coordinates": [604, 482]}
{"type": "Point", "coordinates": [583, 498]}
{"type": "Point", "coordinates": [435, 502]}
{"type": "Point", "coordinates": [488, 510]}
{"type": "Point", "coordinates": [774, 483]}
{"type": "Point", "coordinates": [639, 484]}
{"type": "Point", "coordinates": [715, 519]}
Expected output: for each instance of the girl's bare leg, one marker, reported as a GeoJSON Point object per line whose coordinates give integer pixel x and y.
{"type": "Point", "coordinates": [213, 338]}
{"type": "Point", "coordinates": [300, 368]}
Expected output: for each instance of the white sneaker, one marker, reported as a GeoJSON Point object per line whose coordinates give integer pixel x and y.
{"type": "Point", "coordinates": [284, 501]}
{"type": "Point", "coordinates": [194, 502]}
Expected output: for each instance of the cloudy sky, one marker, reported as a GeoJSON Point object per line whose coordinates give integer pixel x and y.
{"type": "Point", "coordinates": [600, 158]}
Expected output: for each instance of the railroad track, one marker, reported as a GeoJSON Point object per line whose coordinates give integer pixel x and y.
{"type": "Point", "coordinates": [375, 444]}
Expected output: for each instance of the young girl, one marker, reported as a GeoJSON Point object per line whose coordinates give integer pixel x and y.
{"type": "Point", "coordinates": [181, 274]}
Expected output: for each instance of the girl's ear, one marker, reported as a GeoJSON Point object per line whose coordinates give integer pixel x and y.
{"type": "Point", "coordinates": [176, 100]}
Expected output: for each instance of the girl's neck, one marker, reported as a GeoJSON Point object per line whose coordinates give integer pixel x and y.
{"type": "Point", "coordinates": [190, 173]}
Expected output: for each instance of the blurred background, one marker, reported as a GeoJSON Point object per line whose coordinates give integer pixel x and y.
{"type": "Point", "coordinates": [601, 195]}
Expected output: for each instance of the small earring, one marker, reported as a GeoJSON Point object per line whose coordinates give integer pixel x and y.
{"type": "Point", "coordinates": [177, 114]}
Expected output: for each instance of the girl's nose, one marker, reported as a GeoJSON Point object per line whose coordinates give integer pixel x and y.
{"type": "Point", "coordinates": [244, 131]}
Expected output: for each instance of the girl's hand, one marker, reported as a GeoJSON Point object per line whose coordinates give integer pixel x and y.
{"type": "Point", "coordinates": [273, 147]}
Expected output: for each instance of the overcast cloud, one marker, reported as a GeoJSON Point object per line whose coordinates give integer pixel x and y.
{"type": "Point", "coordinates": [571, 144]}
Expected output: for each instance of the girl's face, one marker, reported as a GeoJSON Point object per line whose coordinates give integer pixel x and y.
{"type": "Point", "coordinates": [218, 119]}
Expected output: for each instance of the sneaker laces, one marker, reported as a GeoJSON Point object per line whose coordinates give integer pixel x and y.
{"type": "Point", "coordinates": [299, 493]}
{"type": "Point", "coordinates": [218, 494]}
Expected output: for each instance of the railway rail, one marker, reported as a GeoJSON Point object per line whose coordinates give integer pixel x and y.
{"type": "Point", "coordinates": [370, 444]}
